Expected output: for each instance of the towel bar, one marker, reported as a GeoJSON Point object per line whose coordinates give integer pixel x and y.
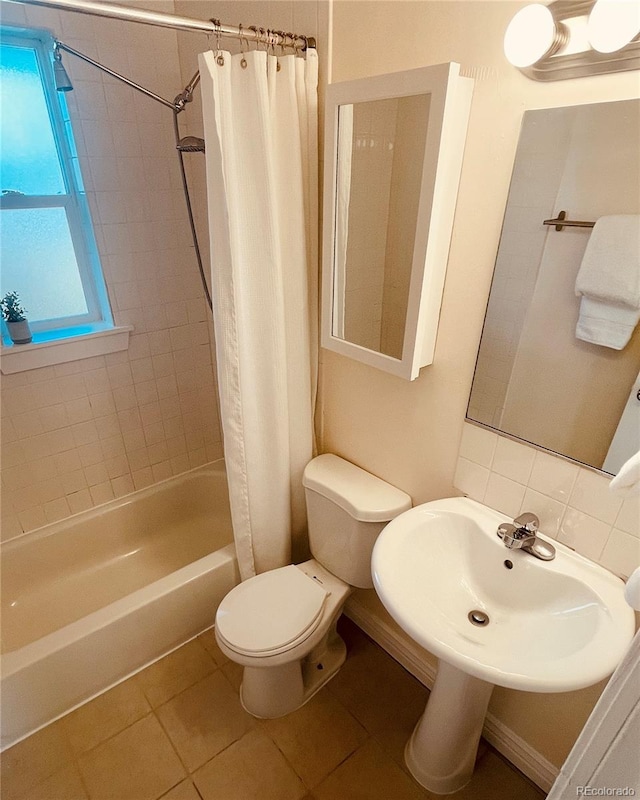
{"type": "Point", "coordinates": [562, 222]}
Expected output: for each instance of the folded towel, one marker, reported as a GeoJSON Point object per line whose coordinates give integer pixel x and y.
{"type": "Point", "coordinates": [627, 482]}
{"type": "Point", "coordinates": [606, 324]}
{"type": "Point", "coordinates": [609, 278]}
{"type": "Point", "coordinates": [610, 268]}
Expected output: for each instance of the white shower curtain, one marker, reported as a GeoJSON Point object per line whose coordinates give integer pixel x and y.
{"type": "Point", "coordinates": [261, 156]}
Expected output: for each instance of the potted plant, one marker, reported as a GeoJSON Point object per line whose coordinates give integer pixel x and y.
{"type": "Point", "coordinates": [16, 318]}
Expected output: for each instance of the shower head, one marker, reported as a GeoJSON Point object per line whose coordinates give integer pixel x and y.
{"type": "Point", "coordinates": [63, 82]}
{"type": "Point", "coordinates": [190, 144]}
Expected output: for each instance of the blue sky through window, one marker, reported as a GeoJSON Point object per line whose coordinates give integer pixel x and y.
{"type": "Point", "coordinates": [45, 274]}
{"type": "Point", "coordinates": [48, 252]}
{"type": "Point", "coordinates": [30, 162]}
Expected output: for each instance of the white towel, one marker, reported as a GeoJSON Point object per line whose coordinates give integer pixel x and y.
{"type": "Point", "coordinates": [609, 282]}
{"type": "Point", "coordinates": [627, 482]}
{"type": "Point", "coordinates": [632, 590]}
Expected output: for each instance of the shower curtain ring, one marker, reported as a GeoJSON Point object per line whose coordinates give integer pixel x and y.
{"type": "Point", "coordinates": [218, 26]}
{"type": "Point", "coordinates": [283, 41]}
{"type": "Point", "coordinates": [244, 42]}
{"type": "Point", "coordinates": [273, 42]}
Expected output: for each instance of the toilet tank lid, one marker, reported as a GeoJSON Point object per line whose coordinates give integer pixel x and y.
{"type": "Point", "coordinates": [359, 493]}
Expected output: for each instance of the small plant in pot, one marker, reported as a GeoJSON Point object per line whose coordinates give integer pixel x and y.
{"type": "Point", "coordinates": [16, 318]}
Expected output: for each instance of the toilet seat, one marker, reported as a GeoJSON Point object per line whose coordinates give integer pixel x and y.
{"type": "Point", "coordinates": [271, 613]}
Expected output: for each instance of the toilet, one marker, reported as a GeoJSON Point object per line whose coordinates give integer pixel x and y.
{"type": "Point", "coordinates": [281, 625]}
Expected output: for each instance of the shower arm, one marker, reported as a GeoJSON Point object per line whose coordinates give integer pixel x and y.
{"type": "Point", "coordinates": [175, 106]}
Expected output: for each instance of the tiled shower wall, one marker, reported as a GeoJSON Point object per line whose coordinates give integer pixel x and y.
{"type": "Point", "coordinates": [574, 504]}
{"type": "Point", "coordinates": [79, 434]}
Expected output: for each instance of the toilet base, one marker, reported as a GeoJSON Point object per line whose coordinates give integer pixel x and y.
{"type": "Point", "coordinates": [271, 692]}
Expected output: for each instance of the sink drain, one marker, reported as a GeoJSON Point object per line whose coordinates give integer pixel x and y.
{"type": "Point", "coordinates": [478, 618]}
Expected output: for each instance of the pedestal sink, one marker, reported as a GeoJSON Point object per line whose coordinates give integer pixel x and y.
{"type": "Point", "coordinates": [493, 616]}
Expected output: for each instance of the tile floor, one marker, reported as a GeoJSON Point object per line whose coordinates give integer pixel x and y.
{"type": "Point", "coordinates": [177, 731]}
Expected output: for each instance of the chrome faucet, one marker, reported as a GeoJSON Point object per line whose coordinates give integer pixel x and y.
{"type": "Point", "coordinates": [522, 535]}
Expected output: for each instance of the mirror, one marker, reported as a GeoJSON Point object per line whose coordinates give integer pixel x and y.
{"type": "Point", "coordinates": [380, 151]}
{"type": "Point", "coordinates": [539, 376]}
{"type": "Point", "coordinates": [394, 148]}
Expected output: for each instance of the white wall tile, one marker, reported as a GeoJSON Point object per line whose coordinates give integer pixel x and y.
{"type": "Point", "coordinates": [549, 511]}
{"type": "Point", "coordinates": [591, 494]}
{"type": "Point", "coordinates": [504, 495]}
{"type": "Point", "coordinates": [513, 460]}
{"type": "Point", "coordinates": [583, 533]}
{"type": "Point", "coordinates": [553, 476]}
{"type": "Point", "coordinates": [621, 553]}
{"type": "Point", "coordinates": [478, 445]}
{"type": "Point", "coordinates": [628, 519]}
{"type": "Point", "coordinates": [470, 478]}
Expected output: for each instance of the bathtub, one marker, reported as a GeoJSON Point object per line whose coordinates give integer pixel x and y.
{"type": "Point", "coordinates": [90, 600]}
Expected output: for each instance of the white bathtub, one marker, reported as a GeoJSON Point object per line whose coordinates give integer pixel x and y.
{"type": "Point", "coordinates": [90, 600]}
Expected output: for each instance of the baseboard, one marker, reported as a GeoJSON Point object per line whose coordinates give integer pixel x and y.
{"type": "Point", "coordinates": [529, 761]}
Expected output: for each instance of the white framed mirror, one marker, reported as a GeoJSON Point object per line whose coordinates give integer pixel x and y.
{"type": "Point", "coordinates": [541, 376]}
{"type": "Point", "coordinates": [393, 154]}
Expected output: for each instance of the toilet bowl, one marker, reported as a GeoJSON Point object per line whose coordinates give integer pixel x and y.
{"type": "Point", "coordinates": [281, 625]}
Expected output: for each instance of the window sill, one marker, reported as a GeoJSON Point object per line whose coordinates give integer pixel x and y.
{"type": "Point", "coordinates": [22, 357]}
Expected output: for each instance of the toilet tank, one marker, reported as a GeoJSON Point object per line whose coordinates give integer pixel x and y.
{"type": "Point", "coordinates": [347, 508]}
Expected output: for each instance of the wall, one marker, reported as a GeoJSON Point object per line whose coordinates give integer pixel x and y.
{"type": "Point", "coordinates": [79, 434]}
{"type": "Point", "coordinates": [409, 432]}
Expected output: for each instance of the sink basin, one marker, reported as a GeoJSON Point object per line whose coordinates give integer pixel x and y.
{"type": "Point", "coordinates": [553, 626]}
{"type": "Point", "coordinates": [493, 616]}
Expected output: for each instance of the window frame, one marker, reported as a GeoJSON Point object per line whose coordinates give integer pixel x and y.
{"type": "Point", "coordinates": [75, 204]}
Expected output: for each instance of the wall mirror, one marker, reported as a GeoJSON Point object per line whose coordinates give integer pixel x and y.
{"type": "Point", "coordinates": [393, 154]}
{"type": "Point", "coordinates": [537, 378]}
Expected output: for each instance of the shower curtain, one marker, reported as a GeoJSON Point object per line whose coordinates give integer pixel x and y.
{"type": "Point", "coordinates": [261, 154]}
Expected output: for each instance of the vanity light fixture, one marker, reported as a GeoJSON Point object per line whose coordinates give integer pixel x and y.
{"type": "Point", "coordinates": [533, 34]}
{"type": "Point", "coordinates": [613, 24]}
{"type": "Point", "coordinates": [574, 38]}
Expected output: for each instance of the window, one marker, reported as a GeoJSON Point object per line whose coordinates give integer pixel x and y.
{"type": "Point", "coordinates": [47, 245]}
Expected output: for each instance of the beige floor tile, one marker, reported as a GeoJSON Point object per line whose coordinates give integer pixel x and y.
{"type": "Point", "coordinates": [250, 769]}
{"type": "Point", "coordinates": [175, 672]}
{"type": "Point", "coordinates": [394, 735]}
{"type": "Point", "coordinates": [63, 785]}
{"type": "Point", "coordinates": [208, 640]}
{"type": "Point", "coordinates": [317, 737]}
{"type": "Point", "coordinates": [369, 774]}
{"type": "Point", "coordinates": [183, 791]}
{"type": "Point", "coordinates": [233, 672]}
{"type": "Point", "coordinates": [30, 762]}
{"type": "Point", "coordinates": [495, 779]}
{"type": "Point", "coordinates": [138, 763]}
{"type": "Point", "coordinates": [105, 716]}
{"type": "Point", "coordinates": [379, 693]}
{"type": "Point", "coordinates": [204, 719]}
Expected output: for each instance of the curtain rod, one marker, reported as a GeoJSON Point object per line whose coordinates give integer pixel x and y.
{"type": "Point", "coordinates": [129, 14]}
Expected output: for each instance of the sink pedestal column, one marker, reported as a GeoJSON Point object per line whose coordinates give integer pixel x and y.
{"type": "Point", "coordinates": [441, 752]}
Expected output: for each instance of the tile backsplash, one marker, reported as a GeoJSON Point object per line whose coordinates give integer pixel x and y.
{"type": "Point", "coordinates": [574, 504]}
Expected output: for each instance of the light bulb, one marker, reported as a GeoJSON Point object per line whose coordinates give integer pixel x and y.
{"type": "Point", "coordinates": [613, 24]}
{"type": "Point", "coordinates": [531, 35]}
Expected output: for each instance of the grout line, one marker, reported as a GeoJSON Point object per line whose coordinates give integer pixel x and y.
{"type": "Point", "coordinates": [175, 750]}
